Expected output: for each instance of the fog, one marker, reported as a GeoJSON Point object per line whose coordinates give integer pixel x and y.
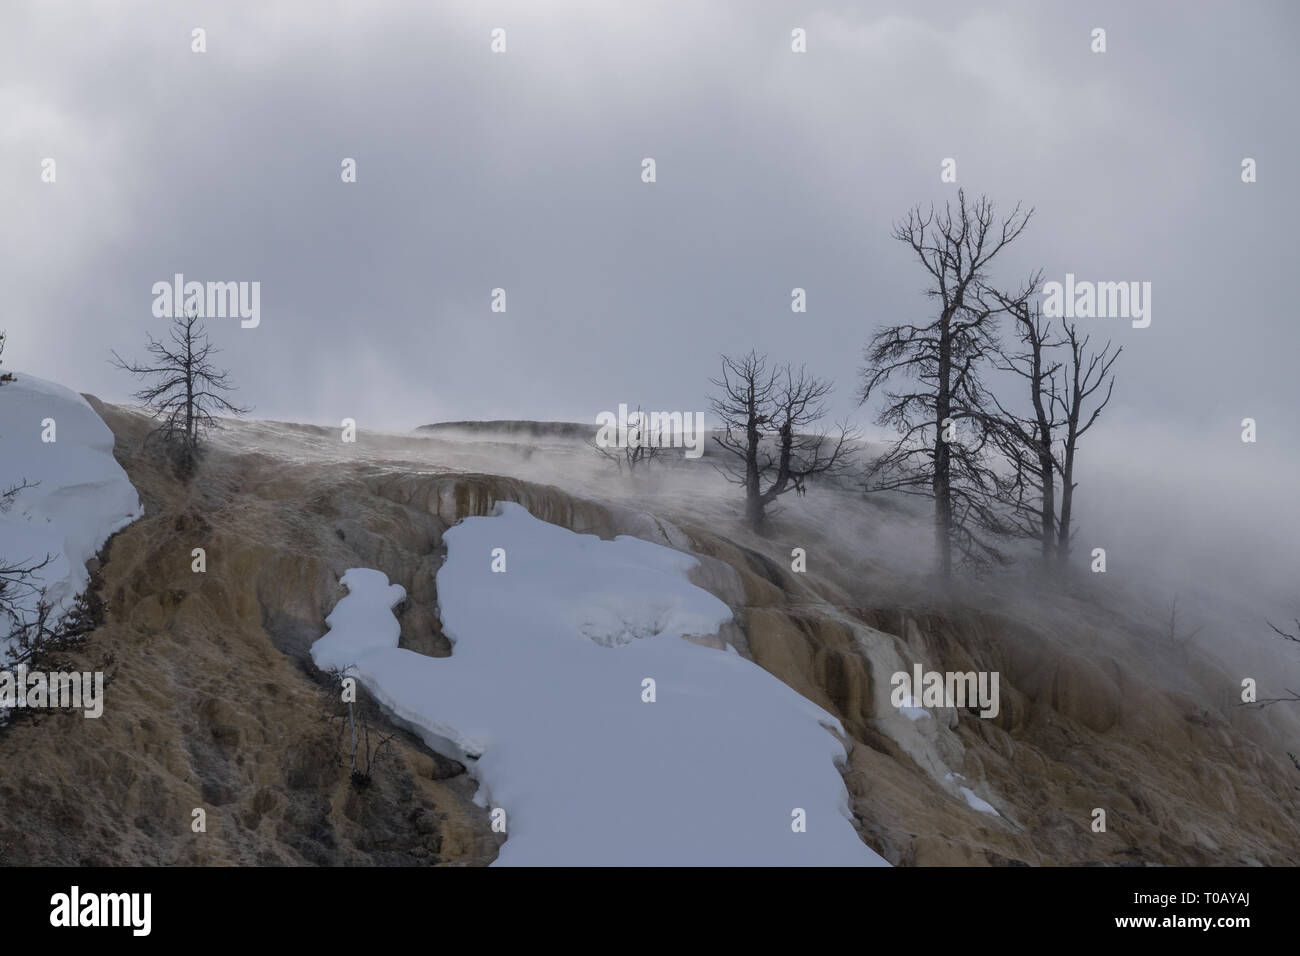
{"type": "Point", "coordinates": [775, 171]}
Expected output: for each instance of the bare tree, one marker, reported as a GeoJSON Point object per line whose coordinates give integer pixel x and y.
{"type": "Point", "coordinates": [360, 770]}
{"type": "Point", "coordinates": [644, 449]}
{"type": "Point", "coordinates": [1084, 374]}
{"type": "Point", "coordinates": [18, 586]}
{"type": "Point", "coordinates": [1178, 639]}
{"type": "Point", "coordinates": [946, 359]}
{"type": "Point", "coordinates": [18, 577]}
{"type": "Point", "coordinates": [769, 418]}
{"type": "Point", "coordinates": [33, 631]}
{"type": "Point", "coordinates": [1028, 438]}
{"type": "Point", "coordinates": [54, 640]}
{"type": "Point", "coordinates": [1041, 443]}
{"type": "Point", "coordinates": [46, 633]}
{"type": "Point", "coordinates": [187, 389]}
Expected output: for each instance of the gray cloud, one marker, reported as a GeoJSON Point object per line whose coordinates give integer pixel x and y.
{"type": "Point", "coordinates": [522, 171]}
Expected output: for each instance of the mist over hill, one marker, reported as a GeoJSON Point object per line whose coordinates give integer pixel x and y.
{"type": "Point", "coordinates": [217, 703]}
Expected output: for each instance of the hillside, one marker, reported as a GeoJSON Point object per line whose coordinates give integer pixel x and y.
{"type": "Point", "coordinates": [216, 703]}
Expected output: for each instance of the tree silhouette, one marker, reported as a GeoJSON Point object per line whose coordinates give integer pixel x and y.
{"type": "Point", "coordinates": [1028, 439]}
{"type": "Point", "coordinates": [643, 451]}
{"type": "Point", "coordinates": [1084, 374]}
{"type": "Point", "coordinates": [941, 417]}
{"type": "Point", "coordinates": [766, 413]}
{"type": "Point", "coordinates": [187, 390]}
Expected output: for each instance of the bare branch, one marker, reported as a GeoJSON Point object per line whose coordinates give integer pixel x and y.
{"type": "Point", "coordinates": [186, 388]}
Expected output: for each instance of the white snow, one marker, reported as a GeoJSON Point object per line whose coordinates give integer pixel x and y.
{"type": "Point", "coordinates": [976, 803]}
{"type": "Point", "coordinates": [83, 495]}
{"type": "Point", "coordinates": [543, 698]}
{"type": "Point", "coordinates": [909, 709]}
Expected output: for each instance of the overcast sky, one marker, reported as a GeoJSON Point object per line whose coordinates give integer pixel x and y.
{"type": "Point", "coordinates": [522, 170]}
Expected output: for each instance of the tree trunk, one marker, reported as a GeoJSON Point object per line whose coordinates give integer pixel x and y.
{"type": "Point", "coordinates": [942, 491]}
{"type": "Point", "coordinates": [753, 491]}
{"type": "Point", "coordinates": [1047, 479]}
{"type": "Point", "coordinates": [1067, 498]}
{"type": "Point", "coordinates": [190, 438]}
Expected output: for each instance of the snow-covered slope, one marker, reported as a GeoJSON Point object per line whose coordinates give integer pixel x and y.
{"type": "Point", "coordinates": [546, 695]}
{"type": "Point", "coordinates": [81, 494]}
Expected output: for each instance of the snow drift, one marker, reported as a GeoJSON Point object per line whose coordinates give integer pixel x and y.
{"type": "Point", "coordinates": [550, 670]}
{"type": "Point", "coordinates": [80, 494]}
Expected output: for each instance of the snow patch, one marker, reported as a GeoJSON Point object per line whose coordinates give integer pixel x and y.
{"type": "Point", "coordinates": [974, 802]}
{"type": "Point", "coordinates": [909, 709]}
{"type": "Point", "coordinates": [82, 497]}
{"type": "Point", "coordinates": [542, 697]}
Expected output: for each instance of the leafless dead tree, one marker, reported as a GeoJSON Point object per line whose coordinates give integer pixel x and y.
{"type": "Point", "coordinates": [1084, 374]}
{"type": "Point", "coordinates": [642, 451]}
{"type": "Point", "coordinates": [1179, 640]}
{"type": "Point", "coordinates": [946, 359]}
{"type": "Point", "coordinates": [355, 721]}
{"type": "Point", "coordinates": [187, 389]}
{"type": "Point", "coordinates": [1027, 437]}
{"type": "Point", "coordinates": [769, 417]}
{"type": "Point", "coordinates": [52, 641]}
